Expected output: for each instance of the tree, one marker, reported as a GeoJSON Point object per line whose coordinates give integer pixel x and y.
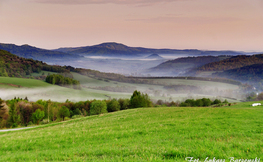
{"type": "Point", "coordinates": [98, 107]}
{"type": "Point", "coordinates": [63, 112]}
{"type": "Point", "coordinates": [113, 105]}
{"type": "Point", "coordinates": [140, 100]}
{"type": "Point", "coordinates": [26, 111]}
{"type": "Point", "coordinates": [38, 115]}
{"type": "Point", "coordinates": [3, 111]}
{"type": "Point", "coordinates": [1, 103]}
{"type": "Point", "coordinates": [14, 115]}
{"type": "Point", "coordinates": [199, 103]}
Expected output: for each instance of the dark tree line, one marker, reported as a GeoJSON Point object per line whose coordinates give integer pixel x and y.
{"type": "Point", "coordinates": [60, 80]}
{"type": "Point", "coordinates": [204, 102]}
{"type": "Point", "coordinates": [21, 112]}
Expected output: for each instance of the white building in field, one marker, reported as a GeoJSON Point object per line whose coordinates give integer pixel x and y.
{"type": "Point", "coordinates": [256, 104]}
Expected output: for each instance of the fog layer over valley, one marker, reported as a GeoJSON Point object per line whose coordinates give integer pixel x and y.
{"type": "Point", "coordinates": [124, 65]}
{"type": "Point", "coordinates": [120, 59]}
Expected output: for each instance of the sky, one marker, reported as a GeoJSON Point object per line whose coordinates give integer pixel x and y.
{"type": "Point", "coordinates": [178, 24]}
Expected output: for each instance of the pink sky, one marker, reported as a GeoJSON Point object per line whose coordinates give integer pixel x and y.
{"type": "Point", "coordinates": [178, 24]}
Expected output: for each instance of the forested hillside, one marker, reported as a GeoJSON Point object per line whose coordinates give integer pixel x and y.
{"type": "Point", "coordinates": [252, 73]}
{"type": "Point", "coordinates": [14, 66]}
{"type": "Point", "coordinates": [182, 65]}
{"type": "Point", "coordinates": [233, 63]}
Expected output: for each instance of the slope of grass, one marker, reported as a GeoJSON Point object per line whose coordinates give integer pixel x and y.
{"type": "Point", "coordinates": [151, 134]}
{"type": "Point", "coordinates": [36, 89]}
{"type": "Point", "coordinates": [29, 83]}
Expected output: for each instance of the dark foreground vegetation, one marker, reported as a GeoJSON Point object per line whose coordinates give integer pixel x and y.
{"type": "Point", "coordinates": [21, 112]}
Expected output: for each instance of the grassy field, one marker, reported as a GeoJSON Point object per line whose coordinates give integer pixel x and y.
{"type": "Point", "coordinates": [150, 134]}
{"type": "Point", "coordinates": [29, 83]}
{"type": "Point", "coordinates": [35, 89]}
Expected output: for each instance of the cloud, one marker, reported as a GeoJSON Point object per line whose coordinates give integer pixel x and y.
{"type": "Point", "coordinates": [125, 2]}
{"type": "Point", "coordinates": [184, 19]}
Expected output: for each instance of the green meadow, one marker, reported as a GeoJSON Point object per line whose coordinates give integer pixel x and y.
{"type": "Point", "coordinates": [144, 134]}
{"type": "Point", "coordinates": [10, 82]}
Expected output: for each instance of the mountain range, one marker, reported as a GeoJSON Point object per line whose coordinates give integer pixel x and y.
{"type": "Point", "coordinates": [27, 51]}
{"type": "Point", "coordinates": [112, 48]}
{"type": "Point", "coordinates": [104, 49]}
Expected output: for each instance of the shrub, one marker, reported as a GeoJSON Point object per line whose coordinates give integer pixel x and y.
{"type": "Point", "coordinates": [113, 105]}
{"type": "Point", "coordinates": [76, 116]}
{"type": "Point", "coordinates": [183, 104]}
{"type": "Point", "coordinates": [216, 101]}
{"type": "Point", "coordinates": [124, 103]}
{"type": "Point", "coordinates": [98, 107]}
{"type": "Point", "coordinates": [206, 102]}
{"type": "Point", "coordinates": [76, 112]}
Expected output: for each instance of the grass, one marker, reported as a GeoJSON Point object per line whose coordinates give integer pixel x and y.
{"type": "Point", "coordinates": [36, 89]}
{"type": "Point", "coordinates": [29, 83]}
{"type": "Point", "coordinates": [150, 134]}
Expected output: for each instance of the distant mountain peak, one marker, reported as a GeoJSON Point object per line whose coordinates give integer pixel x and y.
{"type": "Point", "coordinates": [154, 56]}
{"type": "Point", "coordinates": [112, 43]}
{"type": "Point", "coordinates": [112, 46]}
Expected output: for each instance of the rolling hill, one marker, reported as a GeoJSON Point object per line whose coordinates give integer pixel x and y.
{"type": "Point", "coordinates": [15, 66]}
{"type": "Point", "coordinates": [154, 56]}
{"type": "Point", "coordinates": [251, 73]}
{"type": "Point", "coordinates": [149, 134]}
{"type": "Point", "coordinates": [117, 49]}
{"type": "Point", "coordinates": [181, 65]}
{"type": "Point", "coordinates": [27, 51]}
{"type": "Point", "coordinates": [232, 63]}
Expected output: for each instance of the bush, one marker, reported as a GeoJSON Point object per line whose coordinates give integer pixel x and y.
{"type": "Point", "coordinates": [183, 104]}
{"type": "Point", "coordinates": [44, 121]}
{"type": "Point", "coordinates": [124, 104]}
{"type": "Point", "coordinates": [206, 102]}
{"type": "Point", "coordinates": [76, 116]}
{"type": "Point", "coordinates": [216, 101]}
{"type": "Point", "coordinates": [30, 123]}
{"type": "Point", "coordinates": [113, 105]}
{"type": "Point", "coordinates": [76, 112]}
{"type": "Point", "coordinates": [98, 107]}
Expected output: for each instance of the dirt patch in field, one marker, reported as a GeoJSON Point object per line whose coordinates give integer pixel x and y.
{"type": "Point", "coordinates": [12, 85]}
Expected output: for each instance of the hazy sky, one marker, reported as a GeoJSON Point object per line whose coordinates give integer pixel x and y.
{"type": "Point", "coordinates": [179, 24]}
